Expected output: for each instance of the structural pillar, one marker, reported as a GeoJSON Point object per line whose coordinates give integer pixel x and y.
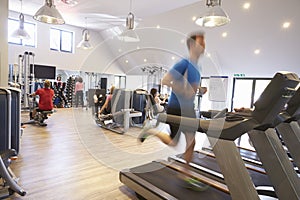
{"type": "Point", "coordinates": [3, 43]}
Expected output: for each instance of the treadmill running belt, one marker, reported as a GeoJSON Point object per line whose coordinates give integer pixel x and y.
{"type": "Point", "coordinates": [167, 180]}
{"type": "Point", "coordinates": [208, 162]}
{"type": "Point", "coordinates": [248, 154]}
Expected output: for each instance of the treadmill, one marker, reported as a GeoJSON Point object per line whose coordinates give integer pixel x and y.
{"type": "Point", "coordinates": [250, 156]}
{"type": "Point", "coordinates": [159, 181]}
{"type": "Point", "coordinates": [288, 127]}
{"type": "Point", "coordinates": [204, 161]}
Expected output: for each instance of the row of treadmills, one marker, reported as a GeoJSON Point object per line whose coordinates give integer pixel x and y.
{"type": "Point", "coordinates": [227, 169]}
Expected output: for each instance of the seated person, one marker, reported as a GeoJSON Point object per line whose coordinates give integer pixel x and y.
{"type": "Point", "coordinates": [105, 109]}
{"type": "Point", "coordinates": [45, 102]}
{"type": "Point", "coordinates": [99, 99]}
{"type": "Point", "coordinates": [159, 103]}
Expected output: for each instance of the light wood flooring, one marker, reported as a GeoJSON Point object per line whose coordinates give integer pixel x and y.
{"type": "Point", "coordinates": [72, 158]}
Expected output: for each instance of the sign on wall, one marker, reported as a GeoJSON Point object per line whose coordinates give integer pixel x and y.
{"type": "Point", "coordinates": [217, 88]}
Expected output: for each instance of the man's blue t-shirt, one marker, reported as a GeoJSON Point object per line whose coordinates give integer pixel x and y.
{"type": "Point", "coordinates": [193, 77]}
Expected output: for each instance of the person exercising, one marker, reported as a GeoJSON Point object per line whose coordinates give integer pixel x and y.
{"type": "Point", "coordinates": [106, 108]}
{"type": "Point", "coordinates": [46, 98]}
{"type": "Point", "coordinates": [184, 79]}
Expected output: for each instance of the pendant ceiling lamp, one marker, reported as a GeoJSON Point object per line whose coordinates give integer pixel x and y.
{"type": "Point", "coordinates": [129, 36]}
{"type": "Point", "coordinates": [85, 42]}
{"type": "Point", "coordinates": [49, 14]}
{"type": "Point", "coordinates": [21, 32]}
{"type": "Point", "coordinates": [215, 16]}
{"type": "Point", "coordinates": [130, 18]}
{"type": "Point", "coordinates": [130, 21]}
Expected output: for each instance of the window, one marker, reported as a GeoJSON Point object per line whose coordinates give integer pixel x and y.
{"type": "Point", "coordinates": [120, 81]}
{"type": "Point", "coordinates": [247, 90]}
{"type": "Point", "coordinates": [61, 40]}
{"type": "Point", "coordinates": [242, 93]}
{"type": "Point", "coordinates": [13, 24]}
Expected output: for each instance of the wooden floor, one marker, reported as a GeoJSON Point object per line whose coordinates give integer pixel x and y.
{"type": "Point", "coordinates": [73, 158]}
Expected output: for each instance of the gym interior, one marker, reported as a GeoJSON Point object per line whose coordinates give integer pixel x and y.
{"type": "Point", "coordinates": [73, 152]}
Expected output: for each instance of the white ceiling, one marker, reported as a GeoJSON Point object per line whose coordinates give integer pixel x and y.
{"type": "Point", "coordinates": [259, 27]}
{"type": "Point", "coordinates": [101, 14]}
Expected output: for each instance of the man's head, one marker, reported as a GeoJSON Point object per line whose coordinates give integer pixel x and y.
{"type": "Point", "coordinates": [47, 84]}
{"type": "Point", "coordinates": [196, 42]}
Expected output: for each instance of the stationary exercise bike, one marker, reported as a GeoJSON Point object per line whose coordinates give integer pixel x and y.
{"type": "Point", "coordinates": [40, 116]}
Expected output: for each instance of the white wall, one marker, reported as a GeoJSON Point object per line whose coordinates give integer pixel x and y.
{"type": "Point", "coordinates": [136, 82]}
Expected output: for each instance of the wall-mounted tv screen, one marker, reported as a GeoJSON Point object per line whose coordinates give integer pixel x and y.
{"type": "Point", "coordinates": [43, 71]}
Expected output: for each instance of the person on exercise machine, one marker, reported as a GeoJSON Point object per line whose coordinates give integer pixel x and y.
{"type": "Point", "coordinates": [106, 108]}
{"type": "Point", "coordinates": [46, 98]}
{"type": "Point", "coordinates": [184, 79]}
{"type": "Point", "coordinates": [158, 103]}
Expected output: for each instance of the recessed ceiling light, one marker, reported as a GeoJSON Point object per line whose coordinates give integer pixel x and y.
{"type": "Point", "coordinates": [182, 41]}
{"type": "Point", "coordinates": [286, 25]}
{"type": "Point", "coordinates": [257, 51]}
{"type": "Point", "coordinates": [194, 18]}
{"type": "Point", "coordinates": [224, 34]}
{"type": "Point", "coordinates": [120, 50]}
{"type": "Point", "coordinates": [145, 60]}
{"type": "Point", "coordinates": [173, 57]}
{"type": "Point", "coordinates": [158, 26]}
{"type": "Point", "coordinates": [137, 47]}
{"type": "Point", "coordinates": [246, 5]}
{"type": "Point", "coordinates": [126, 61]}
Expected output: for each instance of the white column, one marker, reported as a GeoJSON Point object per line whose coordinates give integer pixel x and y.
{"type": "Point", "coordinates": [3, 43]}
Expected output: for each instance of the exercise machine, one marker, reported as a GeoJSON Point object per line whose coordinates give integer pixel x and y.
{"type": "Point", "coordinates": [288, 131]}
{"type": "Point", "coordinates": [288, 127]}
{"type": "Point", "coordinates": [121, 113]}
{"type": "Point", "coordinates": [40, 116]}
{"type": "Point", "coordinates": [9, 137]}
{"type": "Point", "coordinates": [9, 184]}
{"type": "Point", "coordinates": [159, 181]}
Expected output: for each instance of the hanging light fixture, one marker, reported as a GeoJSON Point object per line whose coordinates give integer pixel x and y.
{"type": "Point", "coordinates": [215, 16]}
{"type": "Point", "coordinates": [130, 21]}
{"type": "Point", "coordinates": [49, 14]}
{"type": "Point", "coordinates": [21, 32]}
{"type": "Point", "coordinates": [129, 36]}
{"type": "Point", "coordinates": [84, 43]}
{"type": "Point", "coordinates": [130, 18]}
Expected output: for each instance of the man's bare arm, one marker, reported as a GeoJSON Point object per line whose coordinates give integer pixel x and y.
{"type": "Point", "coordinates": [179, 87]}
